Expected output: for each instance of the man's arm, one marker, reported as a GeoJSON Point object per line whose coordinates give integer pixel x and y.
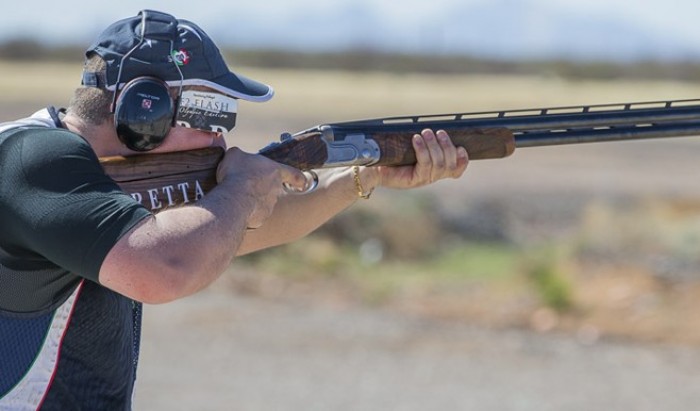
{"type": "Point", "coordinates": [181, 250]}
{"type": "Point", "coordinates": [296, 216]}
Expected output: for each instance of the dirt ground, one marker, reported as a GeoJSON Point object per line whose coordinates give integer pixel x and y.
{"type": "Point", "coordinates": [218, 351]}
{"type": "Point", "coordinates": [228, 350]}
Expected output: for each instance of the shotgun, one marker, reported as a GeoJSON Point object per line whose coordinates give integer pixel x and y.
{"type": "Point", "coordinates": [163, 180]}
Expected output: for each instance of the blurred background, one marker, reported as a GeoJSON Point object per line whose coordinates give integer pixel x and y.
{"type": "Point", "coordinates": [561, 278]}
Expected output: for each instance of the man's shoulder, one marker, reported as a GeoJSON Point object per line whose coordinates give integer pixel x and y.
{"type": "Point", "coordinates": [35, 143]}
{"type": "Point", "coordinates": [36, 155]}
{"type": "Point", "coordinates": [40, 129]}
{"type": "Point", "coordinates": [46, 118]}
{"type": "Point", "coordinates": [42, 137]}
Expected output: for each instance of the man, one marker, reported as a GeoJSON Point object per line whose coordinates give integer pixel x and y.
{"type": "Point", "coordinates": [78, 256]}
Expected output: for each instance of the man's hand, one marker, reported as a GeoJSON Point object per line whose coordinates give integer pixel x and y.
{"type": "Point", "coordinates": [262, 179]}
{"type": "Point", "coordinates": [437, 158]}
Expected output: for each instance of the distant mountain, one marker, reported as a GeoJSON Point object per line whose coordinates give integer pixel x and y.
{"type": "Point", "coordinates": [513, 29]}
{"type": "Point", "coordinates": [504, 29]}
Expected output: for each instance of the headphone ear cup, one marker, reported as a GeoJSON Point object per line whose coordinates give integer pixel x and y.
{"type": "Point", "coordinates": [144, 113]}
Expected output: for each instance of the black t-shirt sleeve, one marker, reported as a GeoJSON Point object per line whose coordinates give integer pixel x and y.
{"type": "Point", "coordinates": [57, 203]}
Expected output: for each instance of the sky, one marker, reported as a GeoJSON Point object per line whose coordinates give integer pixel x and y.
{"type": "Point", "coordinates": [497, 28]}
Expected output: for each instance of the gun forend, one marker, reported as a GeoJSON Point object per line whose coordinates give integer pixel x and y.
{"type": "Point", "coordinates": [329, 146]}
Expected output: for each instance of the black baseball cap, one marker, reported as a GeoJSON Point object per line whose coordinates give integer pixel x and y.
{"type": "Point", "coordinates": [177, 51]}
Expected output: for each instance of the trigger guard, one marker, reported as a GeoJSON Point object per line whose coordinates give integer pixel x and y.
{"type": "Point", "coordinates": [309, 187]}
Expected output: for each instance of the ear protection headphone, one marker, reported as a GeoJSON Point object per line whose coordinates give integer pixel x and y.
{"type": "Point", "coordinates": [144, 110]}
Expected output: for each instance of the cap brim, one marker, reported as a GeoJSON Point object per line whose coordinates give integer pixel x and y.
{"type": "Point", "coordinates": [234, 85]}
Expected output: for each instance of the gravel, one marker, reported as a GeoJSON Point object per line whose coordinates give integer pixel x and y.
{"type": "Point", "coordinates": [222, 351]}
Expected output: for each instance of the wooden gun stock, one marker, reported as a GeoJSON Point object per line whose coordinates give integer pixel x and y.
{"type": "Point", "coordinates": [159, 181]}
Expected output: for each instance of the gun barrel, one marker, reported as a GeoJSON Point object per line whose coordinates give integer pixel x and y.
{"type": "Point", "coordinates": [620, 133]}
{"type": "Point", "coordinates": [558, 125]}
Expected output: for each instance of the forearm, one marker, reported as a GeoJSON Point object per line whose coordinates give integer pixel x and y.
{"type": "Point", "coordinates": [297, 215]}
{"type": "Point", "coordinates": [181, 250]}
{"type": "Point", "coordinates": [436, 158]}
{"type": "Point", "coordinates": [207, 234]}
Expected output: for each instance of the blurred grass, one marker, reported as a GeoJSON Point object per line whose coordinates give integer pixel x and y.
{"type": "Point", "coordinates": [551, 285]}
{"type": "Point", "coordinates": [383, 253]}
{"type": "Point", "coordinates": [603, 279]}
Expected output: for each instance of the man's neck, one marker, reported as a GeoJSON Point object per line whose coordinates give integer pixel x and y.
{"type": "Point", "coordinates": [102, 138]}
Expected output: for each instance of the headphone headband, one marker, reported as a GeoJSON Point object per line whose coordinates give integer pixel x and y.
{"type": "Point", "coordinates": [156, 25]}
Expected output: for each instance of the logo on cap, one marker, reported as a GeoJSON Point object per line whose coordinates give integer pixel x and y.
{"type": "Point", "coordinates": [181, 57]}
